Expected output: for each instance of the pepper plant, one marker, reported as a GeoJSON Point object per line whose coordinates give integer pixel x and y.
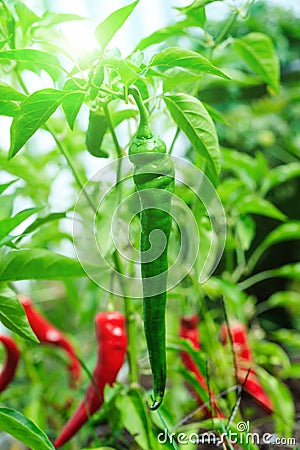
{"type": "Point", "coordinates": [197, 100]}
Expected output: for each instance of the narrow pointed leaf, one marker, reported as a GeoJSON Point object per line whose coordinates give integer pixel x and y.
{"type": "Point", "coordinates": [186, 59]}
{"type": "Point", "coordinates": [193, 119]}
{"type": "Point", "coordinates": [253, 204]}
{"type": "Point", "coordinates": [33, 114]}
{"type": "Point", "coordinates": [258, 52]}
{"type": "Point", "coordinates": [12, 314]}
{"type": "Point", "coordinates": [286, 232]}
{"type": "Point", "coordinates": [4, 186]}
{"type": "Point", "coordinates": [72, 103]}
{"type": "Point", "coordinates": [7, 225]}
{"type": "Point", "coordinates": [26, 16]}
{"type": "Point", "coordinates": [43, 220]}
{"type": "Point", "coordinates": [8, 109]}
{"type": "Point", "coordinates": [23, 429]}
{"type": "Point", "coordinates": [279, 175]}
{"type": "Point", "coordinates": [106, 30]}
{"type": "Point", "coordinates": [8, 93]}
{"type": "Point", "coordinates": [38, 264]}
{"type": "Point", "coordinates": [33, 60]}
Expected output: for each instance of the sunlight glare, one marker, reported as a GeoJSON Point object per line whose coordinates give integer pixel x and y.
{"type": "Point", "coordinates": [79, 37]}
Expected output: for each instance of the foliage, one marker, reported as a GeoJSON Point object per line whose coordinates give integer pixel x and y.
{"type": "Point", "coordinates": [230, 103]}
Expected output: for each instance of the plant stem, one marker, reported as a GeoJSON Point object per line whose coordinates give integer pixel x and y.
{"type": "Point", "coordinates": [226, 29]}
{"type": "Point", "coordinates": [174, 140]}
{"type": "Point", "coordinates": [114, 94]}
{"type": "Point", "coordinates": [112, 131]}
{"type": "Point", "coordinates": [144, 129]}
{"type": "Point", "coordinates": [256, 279]}
{"type": "Point", "coordinates": [67, 157]}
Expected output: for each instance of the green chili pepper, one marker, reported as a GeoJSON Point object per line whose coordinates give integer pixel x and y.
{"type": "Point", "coordinates": [95, 133]}
{"type": "Point", "coordinates": [97, 80]}
{"type": "Point", "coordinates": [153, 169]}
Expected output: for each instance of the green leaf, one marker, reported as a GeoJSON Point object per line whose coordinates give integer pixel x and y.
{"type": "Point", "coordinates": [279, 175]}
{"type": "Point", "coordinates": [134, 418]}
{"type": "Point", "coordinates": [282, 401]}
{"type": "Point", "coordinates": [129, 73]}
{"type": "Point", "coordinates": [286, 299]}
{"type": "Point", "coordinates": [8, 109]}
{"type": "Point", "coordinates": [8, 241]}
{"type": "Point", "coordinates": [235, 298]}
{"type": "Point", "coordinates": [9, 23]}
{"type": "Point", "coordinates": [12, 314]}
{"type": "Point", "coordinates": [33, 114]}
{"type": "Point", "coordinates": [26, 16]}
{"type": "Point", "coordinates": [3, 42]}
{"type": "Point", "coordinates": [215, 114]}
{"type": "Point", "coordinates": [193, 119]}
{"type": "Point", "coordinates": [292, 372]}
{"type": "Point", "coordinates": [23, 429]}
{"type": "Point", "coordinates": [7, 225]}
{"type": "Point", "coordinates": [191, 378]}
{"type": "Point", "coordinates": [42, 220]}
{"type": "Point", "coordinates": [175, 78]}
{"type": "Point", "coordinates": [163, 34]}
{"type": "Point", "coordinates": [244, 166]}
{"type": "Point", "coordinates": [106, 30]}
{"type": "Point", "coordinates": [258, 51]}
{"type": "Point", "coordinates": [50, 18]}
{"type": "Point", "coordinates": [288, 271]}
{"type": "Point", "coordinates": [253, 204]}
{"type": "Point", "coordinates": [73, 102]}
{"type": "Point", "coordinates": [270, 354]}
{"type": "Point", "coordinates": [288, 337]}
{"type": "Point", "coordinates": [4, 186]}
{"type": "Point", "coordinates": [186, 59]}
{"type": "Point", "coordinates": [8, 93]}
{"type": "Point", "coordinates": [119, 116]}
{"type": "Point", "coordinates": [286, 232]}
{"type": "Point", "coordinates": [38, 264]}
{"type": "Point", "coordinates": [33, 60]}
{"type": "Point", "coordinates": [245, 231]}
{"type": "Point", "coordinates": [197, 355]}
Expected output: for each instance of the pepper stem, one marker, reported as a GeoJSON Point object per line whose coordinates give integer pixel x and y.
{"type": "Point", "coordinates": [144, 130]}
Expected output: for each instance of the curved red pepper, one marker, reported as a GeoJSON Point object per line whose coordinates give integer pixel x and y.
{"type": "Point", "coordinates": [189, 329]}
{"type": "Point", "coordinates": [12, 359]}
{"type": "Point", "coordinates": [49, 334]}
{"type": "Point", "coordinates": [244, 361]}
{"type": "Point", "coordinates": [112, 345]}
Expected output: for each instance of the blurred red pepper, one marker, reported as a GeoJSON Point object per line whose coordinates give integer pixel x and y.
{"type": "Point", "coordinates": [244, 362]}
{"type": "Point", "coordinates": [12, 359]}
{"type": "Point", "coordinates": [112, 345]}
{"type": "Point", "coordinates": [189, 329]}
{"type": "Point", "coordinates": [49, 334]}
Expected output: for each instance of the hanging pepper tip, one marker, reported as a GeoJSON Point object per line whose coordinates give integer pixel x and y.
{"type": "Point", "coordinates": [156, 403]}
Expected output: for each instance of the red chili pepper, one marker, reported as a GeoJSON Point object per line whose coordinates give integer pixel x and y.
{"type": "Point", "coordinates": [11, 362]}
{"type": "Point", "coordinates": [49, 334]}
{"type": "Point", "coordinates": [189, 330]}
{"type": "Point", "coordinates": [112, 345]}
{"type": "Point", "coordinates": [244, 361]}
